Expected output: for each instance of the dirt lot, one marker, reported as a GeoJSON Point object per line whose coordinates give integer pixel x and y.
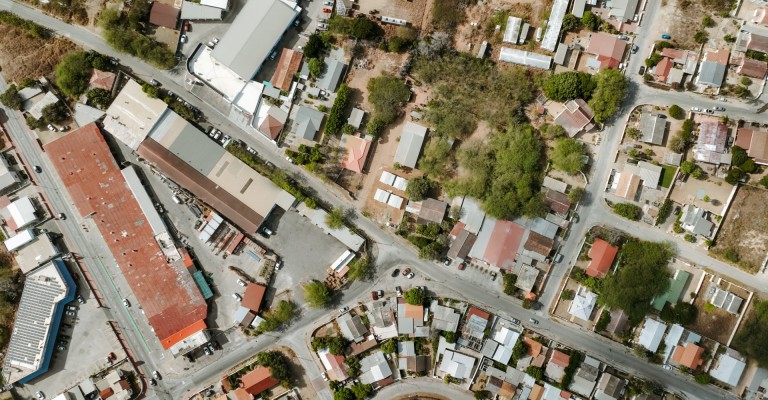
{"type": "Point", "coordinates": [745, 229]}
{"type": "Point", "coordinates": [712, 322]}
{"type": "Point", "coordinates": [413, 11]}
{"type": "Point", "coordinates": [23, 56]}
{"type": "Point", "coordinates": [682, 18]}
{"type": "Point", "coordinates": [480, 24]}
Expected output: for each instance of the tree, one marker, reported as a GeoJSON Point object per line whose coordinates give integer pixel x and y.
{"type": "Point", "coordinates": [568, 86]}
{"type": "Point", "coordinates": [279, 366]}
{"type": "Point", "coordinates": [567, 294]}
{"type": "Point", "coordinates": [55, 113]}
{"type": "Point", "coordinates": [677, 144]}
{"type": "Point", "coordinates": [576, 194]}
{"type": "Point", "coordinates": [642, 275]}
{"type": "Point", "coordinates": [335, 344]}
{"type": "Point", "coordinates": [73, 74]}
{"type": "Point", "coordinates": [415, 296]}
{"type": "Point", "coordinates": [609, 92]}
{"type": "Point", "coordinates": [535, 372]}
{"type": "Point", "coordinates": [751, 337]}
{"type": "Point", "coordinates": [11, 98]}
{"type": "Point", "coordinates": [735, 175]}
{"type": "Point", "coordinates": [362, 390]}
{"type": "Point", "coordinates": [389, 347]}
{"type": "Point", "coordinates": [748, 166]}
{"type": "Point", "coordinates": [387, 95]}
{"type": "Point", "coordinates": [151, 91]}
{"type": "Point", "coordinates": [360, 27]}
{"type": "Point", "coordinates": [527, 304]}
{"type": "Point", "coordinates": [764, 181]}
{"type": "Point", "coordinates": [344, 393]}
{"type": "Point", "coordinates": [485, 394]}
{"type": "Point", "coordinates": [738, 155]}
{"type": "Point", "coordinates": [509, 281]}
{"type": "Point", "coordinates": [336, 117]}
{"type": "Point", "coordinates": [701, 37]}
{"type": "Point", "coordinates": [315, 66]}
{"type": "Point", "coordinates": [707, 21]}
{"type": "Point", "coordinates": [434, 160]}
{"type": "Point", "coordinates": [335, 219]}
{"type": "Point", "coordinates": [676, 112]}
{"type": "Point", "coordinates": [518, 351]}
{"type": "Point", "coordinates": [703, 378]}
{"type": "Point", "coordinates": [552, 131]}
{"type": "Point", "coordinates": [634, 133]}
{"type": "Point", "coordinates": [317, 294]}
{"type": "Point", "coordinates": [360, 268]}
{"type": "Point", "coordinates": [571, 23]}
{"type": "Point", "coordinates": [99, 97]}
{"type": "Point", "coordinates": [568, 155]}
{"type": "Point", "coordinates": [399, 44]}
{"type": "Point", "coordinates": [628, 211]}
{"type": "Point", "coordinates": [745, 81]}
{"type": "Point", "coordinates": [315, 46]}
{"type": "Point", "coordinates": [591, 21]}
{"type": "Point", "coordinates": [419, 188]}
{"type": "Point", "coordinates": [687, 167]}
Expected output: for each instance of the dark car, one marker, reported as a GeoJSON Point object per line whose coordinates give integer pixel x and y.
{"type": "Point", "coordinates": [38, 169]}
{"type": "Point", "coordinates": [718, 108]}
{"type": "Point", "coordinates": [395, 272]}
{"type": "Point", "coordinates": [677, 210]}
{"type": "Point", "coordinates": [642, 70]}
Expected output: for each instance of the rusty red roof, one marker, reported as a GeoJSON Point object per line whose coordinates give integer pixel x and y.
{"type": "Point", "coordinates": [258, 380]}
{"type": "Point", "coordinates": [480, 313]}
{"type": "Point", "coordinates": [753, 68]}
{"type": "Point", "coordinates": [602, 255]}
{"type": "Point", "coordinates": [286, 69]}
{"type": "Point", "coordinates": [503, 244]}
{"type": "Point", "coordinates": [254, 295]}
{"type": "Point", "coordinates": [168, 295]}
{"type": "Point", "coordinates": [164, 15]}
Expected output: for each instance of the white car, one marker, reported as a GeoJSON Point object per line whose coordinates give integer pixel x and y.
{"type": "Point", "coordinates": [40, 395]}
{"type": "Point", "coordinates": [328, 3]}
{"type": "Point", "coordinates": [183, 38]}
{"type": "Point", "coordinates": [156, 375]}
{"type": "Point", "coordinates": [215, 40]}
{"type": "Point", "coordinates": [695, 109]}
{"type": "Point", "coordinates": [325, 377]}
{"type": "Point", "coordinates": [241, 283]}
{"type": "Point", "coordinates": [278, 265]}
{"type": "Point", "coordinates": [52, 128]}
{"type": "Point", "coordinates": [237, 297]}
{"type": "Point", "coordinates": [410, 276]}
{"type": "Point", "coordinates": [126, 303]}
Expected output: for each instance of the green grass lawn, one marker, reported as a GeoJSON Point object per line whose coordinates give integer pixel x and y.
{"type": "Point", "coordinates": [667, 174]}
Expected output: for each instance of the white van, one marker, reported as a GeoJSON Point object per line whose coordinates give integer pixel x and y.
{"type": "Point", "coordinates": [176, 199]}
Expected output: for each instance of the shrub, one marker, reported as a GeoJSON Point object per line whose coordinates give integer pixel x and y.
{"type": "Point", "coordinates": [419, 188]}
{"type": "Point", "coordinates": [509, 281]}
{"type": "Point", "coordinates": [336, 117]}
{"type": "Point", "coordinates": [628, 211]}
{"type": "Point", "coordinates": [567, 294]}
{"type": "Point", "coordinates": [676, 112]}
{"type": "Point", "coordinates": [11, 98]}
{"type": "Point", "coordinates": [73, 74]}
{"type": "Point", "coordinates": [99, 97]}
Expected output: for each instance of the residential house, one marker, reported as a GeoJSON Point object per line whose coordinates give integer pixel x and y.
{"type": "Point", "coordinates": [253, 297]}
{"type": "Point", "coordinates": [500, 347]}
{"type": "Point", "coordinates": [503, 384]}
{"type": "Point", "coordinates": [694, 220]}
{"type": "Point", "coordinates": [270, 120]}
{"type": "Point", "coordinates": [585, 378]}
{"type": "Point", "coordinates": [457, 365]}
{"type": "Point", "coordinates": [662, 70]}
{"type": "Point", "coordinates": [651, 334]}
{"type": "Point", "coordinates": [575, 117]}
{"type": "Point", "coordinates": [583, 304]}
{"type": "Point", "coordinates": [688, 356]}
{"type": "Point", "coordinates": [558, 202]}
{"type": "Point", "coordinates": [713, 68]}
{"type": "Point", "coordinates": [37, 109]}
{"type": "Point", "coordinates": [356, 155]}
{"type": "Point", "coordinates": [375, 369]}
{"type": "Point", "coordinates": [444, 318]}
{"type": "Point", "coordinates": [356, 117]}
{"type": "Point", "coordinates": [677, 64]}
{"type": "Point", "coordinates": [676, 286]}
{"type": "Point", "coordinates": [409, 148]}
{"type": "Point", "coordinates": [473, 332]}
{"type": "Point", "coordinates": [287, 67]}
{"type": "Point", "coordinates": [552, 392]}
{"type": "Point", "coordinates": [307, 123]}
{"type": "Point", "coordinates": [498, 243]}
{"type": "Point", "coordinates": [627, 183]}
{"type": "Point", "coordinates": [343, 7]}
{"type": "Point", "coordinates": [462, 241]}
{"type": "Point", "coordinates": [756, 39]}
{"type": "Point", "coordinates": [610, 387]}
{"type": "Point", "coordinates": [526, 277]}
{"type": "Point", "coordinates": [102, 80]}
{"type": "Point", "coordinates": [334, 365]}
{"type": "Point", "coordinates": [258, 380]}
{"type": "Point", "coordinates": [618, 324]}
{"type": "Point", "coordinates": [20, 214]}
{"type": "Point", "coordinates": [164, 15]}
{"type": "Point", "coordinates": [752, 68]}
{"type": "Point", "coordinates": [728, 368]}
{"type": "Point", "coordinates": [558, 362]}
{"type": "Point", "coordinates": [755, 142]}
{"type": "Point", "coordinates": [554, 184]}
{"type": "Point", "coordinates": [653, 127]}
{"type": "Point", "coordinates": [602, 255]}
{"type": "Point", "coordinates": [536, 355]}
{"type": "Point", "coordinates": [352, 327]}
{"type": "Point", "coordinates": [608, 49]}
{"type": "Point", "coordinates": [622, 10]}
{"type": "Point", "coordinates": [726, 300]}
{"type": "Point", "coordinates": [333, 71]}
{"type": "Point", "coordinates": [407, 358]}
{"type": "Point", "coordinates": [382, 318]}
{"type": "Point", "coordinates": [410, 320]}
{"type": "Point", "coordinates": [710, 144]}
{"type": "Point", "coordinates": [538, 246]}
{"type": "Point", "coordinates": [428, 210]}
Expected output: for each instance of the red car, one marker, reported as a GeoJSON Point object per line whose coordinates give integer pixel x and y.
{"type": "Point", "coordinates": [327, 10]}
{"type": "Point", "coordinates": [406, 272]}
{"type": "Point", "coordinates": [374, 295]}
{"type": "Point", "coordinates": [462, 266]}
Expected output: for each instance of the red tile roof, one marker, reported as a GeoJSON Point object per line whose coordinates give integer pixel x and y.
{"type": "Point", "coordinates": [163, 15]}
{"type": "Point", "coordinates": [758, 148]}
{"type": "Point", "coordinates": [575, 117]}
{"type": "Point", "coordinates": [688, 356]}
{"type": "Point", "coordinates": [480, 313]}
{"type": "Point", "coordinates": [744, 137]}
{"type": "Point", "coordinates": [415, 312]}
{"type": "Point", "coordinates": [357, 152]}
{"type": "Point", "coordinates": [286, 69]}
{"type": "Point", "coordinates": [503, 244]}
{"type": "Point", "coordinates": [168, 295]}
{"type": "Point", "coordinates": [253, 296]}
{"type": "Point", "coordinates": [558, 202]}
{"type": "Point", "coordinates": [241, 394]}
{"type": "Point", "coordinates": [753, 68]}
{"type": "Point", "coordinates": [534, 347]}
{"type": "Point", "coordinates": [271, 127]}
{"type": "Point", "coordinates": [718, 56]}
{"type": "Point", "coordinates": [609, 46]}
{"type": "Point", "coordinates": [662, 69]}
{"type": "Point", "coordinates": [560, 359]}
{"type": "Point", "coordinates": [102, 79]}
{"type": "Point", "coordinates": [673, 53]}
{"type": "Point", "coordinates": [258, 380]}
{"type": "Point", "coordinates": [608, 62]}
{"type": "Point", "coordinates": [602, 255]}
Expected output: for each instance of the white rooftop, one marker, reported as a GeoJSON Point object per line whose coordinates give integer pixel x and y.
{"type": "Point", "coordinates": [387, 178]}
{"type": "Point", "coordinates": [457, 365]}
{"type": "Point", "coordinates": [729, 369]}
{"type": "Point", "coordinates": [22, 211]}
{"type": "Point", "coordinates": [583, 304]}
{"type": "Point", "coordinates": [132, 115]}
{"type": "Point", "coordinates": [216, 74]}
{"type": "Point", "coordinates": [650, 336]}
{"type": "Point", "coordinates": [248, 99]}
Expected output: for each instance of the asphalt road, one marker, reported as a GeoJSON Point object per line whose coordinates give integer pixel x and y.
{"type": "Point", "coordinates": [392, 251]}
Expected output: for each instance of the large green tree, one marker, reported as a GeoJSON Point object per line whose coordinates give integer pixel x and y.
{"type": "Point", "coordinates": [73, 73]}
{"type": "Point", "coordinates": [569, 85]}
{"type": "Point", "coordinates": [568, 155]}
{"type": "Point", "coordinates": [317, 294]}
{"type": "Point", "coordinates": [415, 296]}
{"type": "Point", "coordinates": [387, 95]}
{"type": "Point", "coordinates": [609, 92]}
{"type": "Point", "coordinates": [11, 98]}
{"type": "Point", "coordinates": [418, 188]}
{"type": "Point", "coordinates": [641, 276]}
{"type": "Point", "coordinates": [753, 335]}
{"type": "Point", "coordinates": [434, 160]}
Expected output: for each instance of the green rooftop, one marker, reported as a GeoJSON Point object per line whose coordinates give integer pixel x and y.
{"type": "Point", "coordinates": [205, 290]}
{"type": "Point", "coordinates": [676, 286]}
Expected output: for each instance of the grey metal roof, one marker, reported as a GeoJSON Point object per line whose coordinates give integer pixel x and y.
{"type": "Point", "coordinates": [356, 117]}
{"type": "Point", "coordinates": [623, 9]}
{"type": "Point", "coordinates": [329, 80]}
{"type": "Point", "coordinates": [194, 11]}
{"type": "Point", "coordinates": [85, 114]}
{"type": "Point", "coordinates": [409, 148]}
{"type": "Point", "coordinates": [578, 8]}
{"type": "Point", "coordinates": [307, 122]}
{"type": "Point", "coordinates": [562, 51]}
{"type": "Point", "coordinates": [513, 29]}
{"type": "Point", "coordinates": [711, 74]}
{"type": "Point", "coordinates": [145, 202]}
{"type": "Point", "coordinates": [653, 128]}
{"type": "Point", "coordinates": [46, 290]}
{"type": "Point", "coordinates": [189, 143]}
{"type": "Point", "coordinates": [258, 28]}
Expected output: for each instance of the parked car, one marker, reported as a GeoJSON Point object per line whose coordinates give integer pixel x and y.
{"type": "Point", "coordinates": [267, 231]}
{"type": "Point", "coordinates": [410, 276]}
{"type": "Point", "coordinates": [207, 351]}
{"type": "Point", "coordinates": [183, 39]}
{"type": "Point", "coordinates": [623, 37]}
{"type": "Point", "coordinates": [40, 395]}
{"type": "Point", "coordinates": [278, 265]}
{"type": "Point", "coordinates": [325, 377]}
{"type": "Point", "coordinates": [666, 36]}
{"type": "Point", "coordinates": [152, 382]}
{"type": "Point", "coordinates": [493, 276]}
{"type": "Point", "coordinates": [80, 299]}
{"type": "Point", "coordinates": [154, 82]}
{"type": "Point", "coordinates": [718, 108]}
{"type": "Point", "coordinates": [215, 40]}
{"type": "Point", "coordinates": [322, 26]}
{"type": "Point", "coordinates": [380, 293]}
{"type": "Point", "coordinates": [237, 296]}
{"type": "Point", "coordinates": [447, 261]}
{"type": "Point", "coordinates": [374, 295]}
{"type": "Point", "coordinates": [52, 128]}
{"type": "Point", "coordinates": [71, 314]}
{"type": "Point", "coordinates": [38, 169]}
{"type": "Point", "coordinates": [344, 309]}
{"type": "Point", "coordinates": [126, 303]}
{"type": "Point", "coordinates": [406, 271]}
{"type": "Point", "coordinates": [533, 321]}
{"type": "Point", "coordinates": [241, 283]}
{"type": "Point", "coordinates": [61, 216]}
{"type": "Point", "coordinates": [396, 272]}
{"type": "Point", "coordinates": [708, 111]}
{"type": "Point", "coordinates": [328, 3]}
{"type": "Point", "coordinates": [677, 210]}
{"type": "Point", "coordinates": [211, 44]}
{"type": "Point", "coordinates": [641, 71]}
{"type": "Point", "coordinates": [695, 109]}
{"type": "Point", "coordinates": [399, 290]}
{"type": "Point", "coordinates": [515, 321]}
{"type": "Point", "coordinates": [462, 267]}
{"type": "Point", "coordinates": [156, 375]}
{"type": "Point", "coordinates": [635, 48]}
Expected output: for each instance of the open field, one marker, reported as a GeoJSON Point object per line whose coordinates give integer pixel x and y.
{"type": "Point", "coordinates": [682, 18]}
{"type": "Point", "coordinates": [712, 322]}
{"type": "Point", "coordinates": [23, 56]}
{"type": "Point", "coordinates": [744, 233]}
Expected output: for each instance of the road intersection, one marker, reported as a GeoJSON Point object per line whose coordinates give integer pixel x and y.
{"type": "Point", "coordinates": [391, 250]}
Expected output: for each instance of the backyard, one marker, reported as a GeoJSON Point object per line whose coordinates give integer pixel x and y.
{"type": "Point", "coordinates": [742, 238]}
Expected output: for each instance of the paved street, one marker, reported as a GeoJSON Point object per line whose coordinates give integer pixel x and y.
{"type": "Point", "coordinates": [392, 251]}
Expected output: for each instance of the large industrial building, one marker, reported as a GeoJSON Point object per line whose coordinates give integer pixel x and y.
{"type": "Point", "coordinates": [185, 155]}
{"type": "Point", "coordinates": [46, 292]}
{"type": "Point", "coordinates": [167, 293]}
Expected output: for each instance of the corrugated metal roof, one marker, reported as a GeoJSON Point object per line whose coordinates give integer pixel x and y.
{"type": "Point", "coordinates": [409, 148]}
{"type": "Point", "coordinates": [555, 22]}
{"type": "Point", "coordinates": [525, 58]}
{"type": "Point", "coordinates": [193, 11]}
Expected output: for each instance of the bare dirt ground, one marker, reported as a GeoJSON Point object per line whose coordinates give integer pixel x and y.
{"type": "Point", "coordinates": [412, 11]}
{"type": "Point", "coordinates": [23, 56]}
{"type": "Point", "coordinates": [745, 228]}
{"type": "Point", "coordinates": [712, 322]}
{"type": "Point", "coordinates": [682, 18]}
{"type": "Point", "coordinates": [479, 25]}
